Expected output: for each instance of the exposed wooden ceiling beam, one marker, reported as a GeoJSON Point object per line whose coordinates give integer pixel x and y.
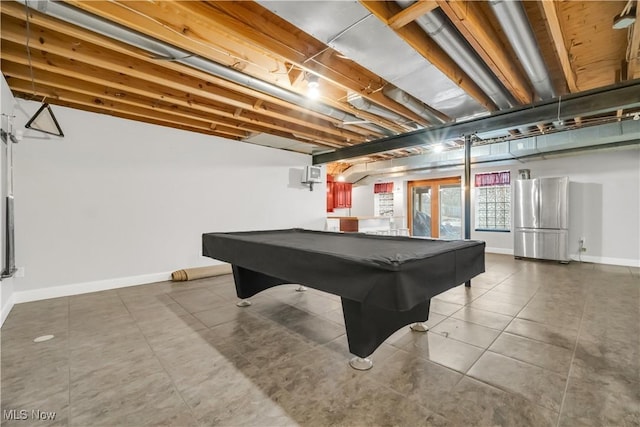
{"type": "Point", "coordinates": [17, 11]}
{"type": "Point", "coordinates": [474, 26]}
{"type": "Point", "coordinates": [85, 54]}
{"type": "Point", "coordinates": [56, 93]}
{"type": "Point", "coordinates": [88, 74]}
{"type": "Point", "coordinates": [425, 46]}
{"type": "Point", "coordinates": [555, 30]}
{"type": "Point", "coordinates": [411, 13]}
{"type": "Point", "coordinates": [633, 67]}
{"type": "Point", "coordinates": [162, 110]}
{"type": "Point", "coordinates": [202, 28]}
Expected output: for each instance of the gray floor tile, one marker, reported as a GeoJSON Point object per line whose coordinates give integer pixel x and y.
{"type": "Point", "coordinates": [183, 354]}
{"type": "Point", "coordinates": [469, 333]}
{"type": "Point", "coordinates": [473, 403]}
{"type": "Point", "coordinates": [445, 351]}
{"type": "Point", "coordinates": [483, 317]}
{"type": "Point", "coordinates": [548, 356]}
{"type": "Point", "coordinates": [561, 336]}
{"type": "Point", "coordinates": [536, 384]}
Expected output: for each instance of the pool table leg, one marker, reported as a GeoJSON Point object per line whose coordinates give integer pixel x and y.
{"type": "Point", "coordinates": [467, 283]}
{"type": "Point", "coordinates": [243, 303]}
{"type": "Point", "coordinates": [301, 288]}
{"type": "Point", "coordinates": [369, 326]}
{"type": "Point", "coordinates": [419, 327]}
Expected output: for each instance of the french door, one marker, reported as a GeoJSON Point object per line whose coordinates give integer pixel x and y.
{"type": "Point", "coordinates": [435, 208]}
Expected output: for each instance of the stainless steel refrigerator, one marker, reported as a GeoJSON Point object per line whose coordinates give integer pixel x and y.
{"type": "Point", "coordinates": [542, 218]}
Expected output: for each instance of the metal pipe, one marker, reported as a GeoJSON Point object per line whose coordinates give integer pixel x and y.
{"type": "Point", "coordinates": [515, 24]}
{"type": "Point", "coordinates": [412, 104]}
{"type": "Point", "coordinates": [115, 31]}
{"type": "Point", "coordinates": [436, 25]}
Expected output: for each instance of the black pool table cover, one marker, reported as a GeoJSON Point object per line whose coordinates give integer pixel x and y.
{"type": "Point", "coordinates": [387, 272]}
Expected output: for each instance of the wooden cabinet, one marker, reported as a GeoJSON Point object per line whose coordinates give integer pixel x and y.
{"type": "Point", "coordinates": [338, 194]}
{"type": "Point", "coordinates": [342, 194]}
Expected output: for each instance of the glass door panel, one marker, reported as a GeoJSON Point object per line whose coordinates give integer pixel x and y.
{"type": "Point", "coordinates": [450, 211]}
{"type": "Point", "coordinates": [421, 212]}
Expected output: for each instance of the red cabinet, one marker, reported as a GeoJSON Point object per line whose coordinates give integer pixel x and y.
{"type": "Point", "coordinates": [338, 194]}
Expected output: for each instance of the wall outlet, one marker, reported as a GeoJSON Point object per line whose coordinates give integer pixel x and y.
{"type": "Point", "coordinates": [582, 241]}
{"type": "Point", "coordinates": [19, 272]}
{"type": "Point", "coordinates": [583, 249]}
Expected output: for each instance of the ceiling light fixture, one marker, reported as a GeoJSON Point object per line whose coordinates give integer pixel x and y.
{"type": "Point", "coordinates": [437, 148]}
{"type": "Point", "coordinates": [313, 87]}
{"type": "Point", "coordinates": [626, 17]}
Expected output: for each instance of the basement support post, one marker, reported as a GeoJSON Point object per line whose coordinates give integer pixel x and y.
{"type": "Point", "coordinates": [467, 191]}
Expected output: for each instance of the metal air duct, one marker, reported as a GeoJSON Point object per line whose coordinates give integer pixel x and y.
{"type": "Point", "coordinates": [412, 104]}
{"type": "Point", "coordinates": [515, 24]}
{"type": "Point", "coordinates": [360, 103]}
{"type": "Point", "coordinates": [436, 25]}
{"type": "Point", "coordinates": [109, 29]}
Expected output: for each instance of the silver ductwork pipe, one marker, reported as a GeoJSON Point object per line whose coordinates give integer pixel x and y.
{"type": "Point", "coordinates": [109, 29]}
{"type": "Point", "coordinates": [436, 25]}
{"type": "Point", "coordinates": [360, 103]}
{"type": "Point", "coordinates": [515, 24]}
{"type": "Point", "coordinates": [411, 103]}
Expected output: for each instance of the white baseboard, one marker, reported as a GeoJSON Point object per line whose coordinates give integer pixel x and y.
{"type": "Point", "coordinates": [625, 262]}
{"type": "Point", "coordinates": [6, 309]}
{"type": "Point", "coordinates": [86, 287]}
{"type": "Point", "coordinates": [502, 251]}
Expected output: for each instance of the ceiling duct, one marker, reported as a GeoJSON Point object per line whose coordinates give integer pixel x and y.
{"type": "Point", "coordinates": [625, 133]}
{"type": "Point", "coordinates": [515, 24]}
{"type": "Point", "coordinates": [436, 25]}
{"type": "Point", "coordinates": [412, 104]}
{"type": "Point", "coordinates": [109, 29]}
{"type": "Point", "coordinates": [360, 103]}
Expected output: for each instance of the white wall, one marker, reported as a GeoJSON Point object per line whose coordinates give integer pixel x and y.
{"type": "Point", "coordinates": [118, 202]}
{"type": "Point", "coordinates": [6, 285]}
{"type": "Point", "coordinates": [604, 202]}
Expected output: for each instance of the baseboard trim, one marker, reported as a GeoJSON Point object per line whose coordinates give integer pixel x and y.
{"type": "Point", "coordinates": [501, 251]}
{"type": "Point", "coordinates": [624, 262]}
{"type": "Point", "coordinates": [6, 309]}
{"type": "Point", "coordinates": [87, 287]}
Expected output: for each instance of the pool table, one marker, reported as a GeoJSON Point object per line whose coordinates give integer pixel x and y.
{"type": "Point", "coordinates": [384, 282]}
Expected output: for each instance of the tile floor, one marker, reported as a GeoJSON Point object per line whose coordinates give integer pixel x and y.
{"type": "Point", "coordinates": [529, 344]}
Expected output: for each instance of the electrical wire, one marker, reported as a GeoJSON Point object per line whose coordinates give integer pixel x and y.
{"type": "Point", "coordinates": [26, 12]}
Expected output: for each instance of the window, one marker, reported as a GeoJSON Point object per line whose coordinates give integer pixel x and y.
{"type": "Point", "coordinates": [493, 201]}
{"type": "Point", "coordinates": [383, 199]}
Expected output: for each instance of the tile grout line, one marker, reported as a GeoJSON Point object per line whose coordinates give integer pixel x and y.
{"type": "Point", "coordinates": [498, 336]}
{"type": "Point", "coordinates": [573, 356]}
{"type": "Point", "coordinates": [173, 384]}
{"type": "Point", "coordinates": [464, 374]}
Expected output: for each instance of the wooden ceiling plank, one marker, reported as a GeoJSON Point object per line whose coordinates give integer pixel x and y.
{"type": "Point", "coordinates": [633, 67]}
{"type": "Point", "coordinates": [253, 123]}
{"type": "Point", "coordinates": [88, 100]}
{"type": "Point", "coordinates": [555, 30]}
{"type": "Point", "coordinates": [171, 25]}
{"type": "Point", "coordinates": [56, 93]}
{"type": "Point", "coordinates": [97, 91]}
{"type": "Point", "coordinates": [411, 13]}
{"type": "Point", "coordinates": [106, 111]}
{"type": "Point", "coordinates": [469, 20]}
{"type": "Point", "coordinates": [200, 18]}
{"type": "Point", "coordinates": [117, 63]}
{"type": "Point", "coordinates": [425, 46]}
{"type": "Point", "coordinates": [17, 11]}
